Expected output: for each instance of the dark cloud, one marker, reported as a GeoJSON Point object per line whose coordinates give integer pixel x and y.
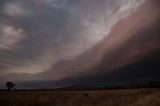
{"type": "Point", "coordinates": [137, 73]}
{"type": "Point", "coordinates": [53, 40]}
{"type": "Point", "coordinates": [121, 47]}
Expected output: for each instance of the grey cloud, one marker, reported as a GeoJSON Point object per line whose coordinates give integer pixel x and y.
{"type": "Point", "coordinates": [56, 30]}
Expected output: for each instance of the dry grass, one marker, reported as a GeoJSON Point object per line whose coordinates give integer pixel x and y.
{"type": "Point", "coordinates": [143, 97]}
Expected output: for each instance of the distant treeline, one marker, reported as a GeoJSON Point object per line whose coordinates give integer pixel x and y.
{"type": "Point", "coordinates": [150, 84]}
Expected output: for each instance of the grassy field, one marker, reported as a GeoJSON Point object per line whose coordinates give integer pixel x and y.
{"type": "Point", "coordinates": [130, 97]}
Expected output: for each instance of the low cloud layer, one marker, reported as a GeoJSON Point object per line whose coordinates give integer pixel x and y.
{"type": "Point", "coordinates": [35, 34]}
{"type": "Point", "coordinates": [51, 43]}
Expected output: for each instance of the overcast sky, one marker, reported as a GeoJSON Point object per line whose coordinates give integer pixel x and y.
{"type": "Point", "coordinates": [37, 33]}
{"type": "Point", "coordinates": [39, 36]}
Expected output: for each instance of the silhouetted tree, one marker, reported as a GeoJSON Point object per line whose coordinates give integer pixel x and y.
{"type": "Point", "coordinates": [10, 85]}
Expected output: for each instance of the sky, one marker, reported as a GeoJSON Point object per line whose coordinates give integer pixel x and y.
{"type": "Point", "coordinates": [54, 40]}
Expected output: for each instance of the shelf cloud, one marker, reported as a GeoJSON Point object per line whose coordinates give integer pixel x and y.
{"type": "Point", "coordinates": [57, 39]}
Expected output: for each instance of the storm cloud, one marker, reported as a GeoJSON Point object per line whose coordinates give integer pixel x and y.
{"type": "Point", "coordinates": [58, 39]}
{"type": "Point", "coordinates": [37, 33]}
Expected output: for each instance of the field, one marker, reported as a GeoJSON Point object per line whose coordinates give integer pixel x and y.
{"type": "Point", "coordinates": [129, 97]}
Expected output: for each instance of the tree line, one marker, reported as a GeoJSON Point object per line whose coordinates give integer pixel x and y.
{"type": "Point", "coordinates": [10, 86]}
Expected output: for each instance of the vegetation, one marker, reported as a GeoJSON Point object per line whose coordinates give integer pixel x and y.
{"type": "Point", "coordinates": [10, 86]}
{"type": "Point", "coordinates": [138, 95]}
{"type": "Point", "coordinates": [125, 97]}
{"type": "Point", "coordinates": [150, 84]}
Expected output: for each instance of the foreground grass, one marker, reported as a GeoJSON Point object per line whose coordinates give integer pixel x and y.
{"type": "Point", "coordinates": [131, 97]}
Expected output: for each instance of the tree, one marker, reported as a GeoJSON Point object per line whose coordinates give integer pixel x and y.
{"type": "Point", "coordinates": [10, 85]}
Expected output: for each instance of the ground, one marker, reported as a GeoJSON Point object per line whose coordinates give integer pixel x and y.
{"type": "Point", "coordinates": [126, 97]}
